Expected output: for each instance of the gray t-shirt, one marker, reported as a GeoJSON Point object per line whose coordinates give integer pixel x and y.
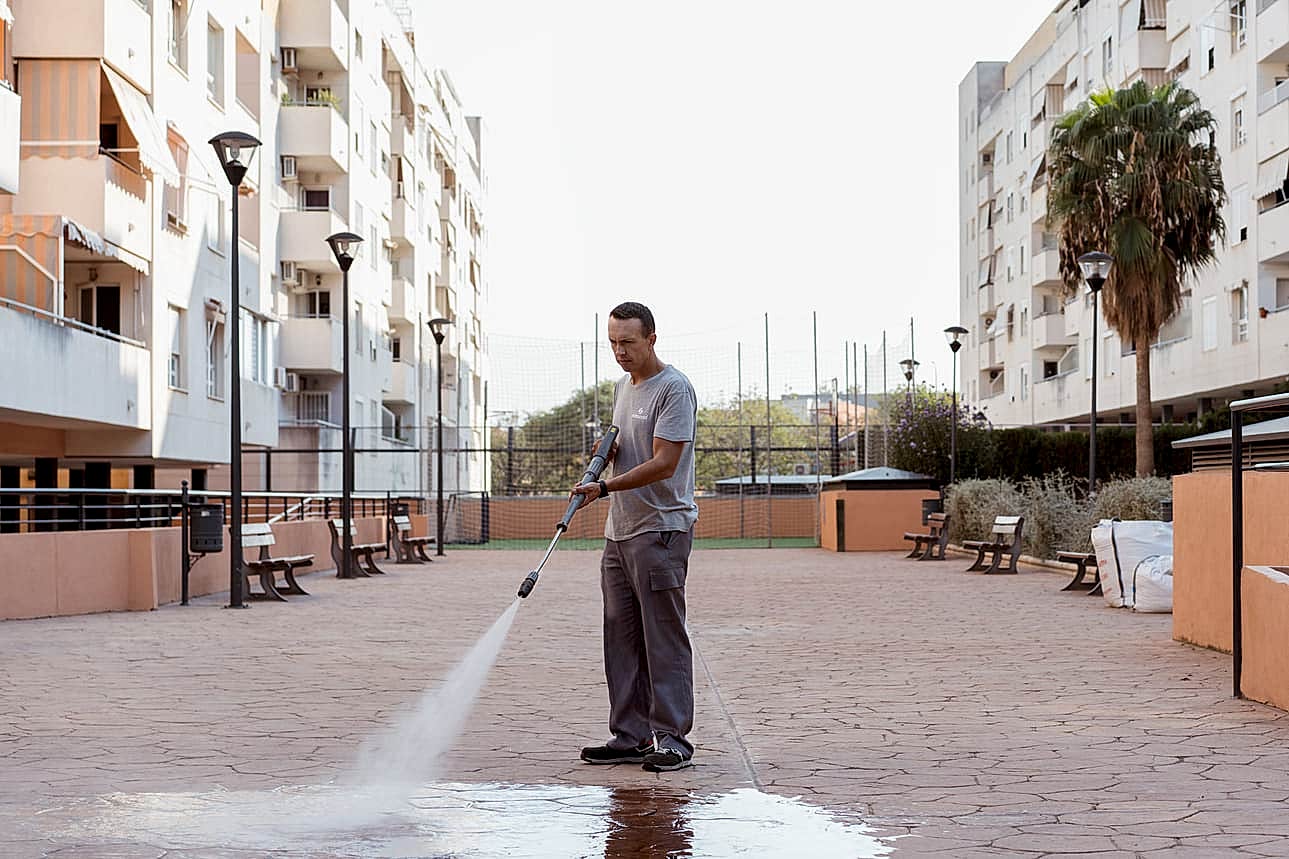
{"type": "Point", "coordinates": [663, 406]}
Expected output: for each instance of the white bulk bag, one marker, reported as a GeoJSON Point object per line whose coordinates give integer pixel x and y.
{"type": "Point", "coordinates": [1152, 585]}
{"type": "Point", "coordinates": [1120, 546]}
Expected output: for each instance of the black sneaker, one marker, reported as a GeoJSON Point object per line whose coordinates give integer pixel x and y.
{"type": "Point", "coordinates": [610, 755]}
{"type": "Point", "coordinates": [665, 760]}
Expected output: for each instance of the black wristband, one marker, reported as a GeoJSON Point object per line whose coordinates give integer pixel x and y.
{"type": "Point", "coordinates": [604, 489]}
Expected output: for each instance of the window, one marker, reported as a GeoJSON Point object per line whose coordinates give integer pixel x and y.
{"type": "Point", "coordinates": [1009, 147]}
{"type": "Point", "coordinates": [1282, 293]}
{"type": "Point", "coordinates": [215, 63]}
{"type": "Point", "coordinates": [374, 254]}
{"type": "Point", "coordinates": [357, 332]}
{"type": "Point", "coordinates": [1111, 353]}
{"type": "Point", "coordinates": [215, 223]}
{"type": "Point", "coordinates": [175, 199]}
{"type": "Point", "coordinates": [178, 45]}
{"type": "Point", "coordinates": [255, 355]}
{"type": "Point", "coordinates": [1022, 204]}
{"type": "Point", "coordinates": [318, 95]}
{"type": "Point", "coordinates": [1022, 270]}
{"type": "Point", "coordinates": [371, 138]}
{"type": "Point", "coordinates": [214, 359]}
{"type": "Point", "coordinates": [358, 129]}
{"type": "Point", "coordinates": [316, 304]}
{"type": "Point", "coordinates": [1239, 223]}
{"type": "Point", "coordinates": [1239, 24]}
{"type": "Point", "coordinates": [1238, 132]}
{"type": "Point", "coordinates": [396, 348]}
{"type": "Point", "coordinates": [358, 218]}
{"type": "Point", "coordinates": [1011, 207]}
{"type": "Point", "coordinates": [315, 199]}
{"type": "Point", "coordinates": [1208, 44]}
{"type": "Point", "coordinates": [358, 46]}
{"type": "Point", "coordinates": [175, 368]}
{"type": "Point", "coordinates": [1011, 262]}
{"type": "Point", "coordinates": [100, 307]}
{"type": "Point", "coordinates": [1024, 318]}
{"type": "Point", "coordinates": [1208, 319]}
{"type": "Point", "coordinates": [1107, 58]}
{"type": "Point", "coordinates": [1240, 313]}
{"type": "Point", "coordinates": [1024, 382]}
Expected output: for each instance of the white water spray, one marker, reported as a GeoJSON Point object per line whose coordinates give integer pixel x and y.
{"type": "Point", "coordinates": [408, 753]}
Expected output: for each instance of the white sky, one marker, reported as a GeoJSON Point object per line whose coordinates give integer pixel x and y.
{"type": "Point", "coordinates": [717, 160]}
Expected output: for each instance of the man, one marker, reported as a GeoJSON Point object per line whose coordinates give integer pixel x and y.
{"type": "Point", "coordinates": [647, 657]}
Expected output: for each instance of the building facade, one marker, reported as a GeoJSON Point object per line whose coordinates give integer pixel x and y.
{"type": "Point", "coordinates": [115, 241]}
{"type": "Point", "coordinates": [1026, 359]}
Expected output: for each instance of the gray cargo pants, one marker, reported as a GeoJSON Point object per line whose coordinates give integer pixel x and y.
{"type": "Point", "coordinates": [648, 661]}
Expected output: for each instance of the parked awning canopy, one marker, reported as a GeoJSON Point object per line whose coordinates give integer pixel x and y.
{"type": "Point", "coordinates": [154, 153]}
{"type": "Point", "coordinates": [1271, 176]}
{"type": "Point", "coordinates": [33, 253]}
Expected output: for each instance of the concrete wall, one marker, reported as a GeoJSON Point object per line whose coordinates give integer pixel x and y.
{"type": "Point", "coordinates": [1202, 548]}
{"type": "Point", "coordinates": [874, 521]}
{"type": "Point", "coordinates": [56, 574]}
{"type": "Point", "coordinates": [1264, 599]}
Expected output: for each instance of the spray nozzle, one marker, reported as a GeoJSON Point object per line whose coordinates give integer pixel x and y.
{"type": "Point", "coordinates": [528, 584]}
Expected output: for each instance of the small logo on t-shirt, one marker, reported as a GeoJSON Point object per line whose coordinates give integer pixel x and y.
{"type": "Point", "coordinates": [639, 415]}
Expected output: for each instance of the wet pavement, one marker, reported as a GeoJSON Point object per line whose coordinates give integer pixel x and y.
{"type": "Point", "coordinates": [893, 707]}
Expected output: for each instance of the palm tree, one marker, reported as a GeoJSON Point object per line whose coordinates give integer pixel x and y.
{"type": "Point", "coordinates": [1135, 173]}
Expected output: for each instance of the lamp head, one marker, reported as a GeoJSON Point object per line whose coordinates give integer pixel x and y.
{"type": "Point", "coordinates": [954, 334]}
{"type": "Point", "coordinates": [1096, 268]}
{"type": "Point", "coordinates": [436, 328]}
{"type": "Point", "coordinates": [344, 246]}
{"type": "Point", "coordinates": [909, 365]}
{"type": "Point", "coordinates": [235, 149]}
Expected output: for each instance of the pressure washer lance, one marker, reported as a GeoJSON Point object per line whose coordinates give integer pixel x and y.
{"type": "Point", "coordinates": [593, 472]}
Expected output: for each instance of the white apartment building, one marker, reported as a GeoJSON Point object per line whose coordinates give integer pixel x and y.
{"type": "Point", "coordinates": [10, 107]}
{"type": "Point", "coordinates": [116, 244]}
{"type": "Point", "coordinates": [1026, 360]}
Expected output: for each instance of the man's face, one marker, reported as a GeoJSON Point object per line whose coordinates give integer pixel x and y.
{"type": "Point", "coordinates": [631, 348]}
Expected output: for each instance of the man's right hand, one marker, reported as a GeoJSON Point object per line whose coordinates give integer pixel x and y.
{"type": "Point", "coordinates": [589, 492]}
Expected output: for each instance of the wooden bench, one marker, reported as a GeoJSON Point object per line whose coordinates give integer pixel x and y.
{"type": "Point", "coordinates": [1082, 560]}
{"type": "Point", "coordinates": [408, 549]}
{"type": "Point", "coordinates": [1004, 539]}
{"type": "Point", "coordinates": [266, 567]}
{"type": "Point", "coordinates": [363, 554]}
{"type": "Point", "coordinates": [935, 540]}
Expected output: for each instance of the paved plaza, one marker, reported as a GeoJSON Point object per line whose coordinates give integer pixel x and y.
{"type": "Point", "coordinates": [911, 707]}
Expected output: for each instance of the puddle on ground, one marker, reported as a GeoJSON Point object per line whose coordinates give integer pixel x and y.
{"type": "Point", "coordinates": [465, 820]}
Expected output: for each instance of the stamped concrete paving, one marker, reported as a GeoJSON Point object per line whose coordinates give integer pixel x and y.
{"type": "Point", "coordinates": [974, 716]}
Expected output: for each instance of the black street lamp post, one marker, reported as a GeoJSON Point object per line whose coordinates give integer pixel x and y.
{"type": "Point", "coordinates": [344, 246]}
{"type": "Point", "coordinates": [235, 150]}
{"type": "Point", "coordinates": [910, 368]}
{"type": "Point", "coordinates": [1096, 268]}
{"type": "Point", "coordinates": [436, 328]}
{"type": "Point", "coordinates": [954, 334]}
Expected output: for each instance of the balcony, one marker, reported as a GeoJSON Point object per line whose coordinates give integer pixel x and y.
{"type": "Point", "coordinates": [402, 218]}
{"type": "Point", "coordinates": [1038, 205]}
{"type": "Point", "coordinates": [1272, 32]}
{"type": "Point", "coordinates": [107, 30]}
{"type": "Point", "coordinates": [318, 32]}
{"type": "Point", "coordinates": [991, 354]}
{"type": "Point", "coordinates": [985, 189]}
{"type": "Point", "coordinates": [302, 237]}
{"type": "Point", "coordinates": [10, 118]}
{"type": "Point", "coordinates": [312, 345]}
{"type": "Point", "coordinates": [403, 304]}
{"type": "Point", "coordinates": [1273, 122]}
{"type": "Point", "coordinates": [1273, 235]}
{"type": "Point", "coordinates": [1046, 267]}
{"type": "Point", "coordinates": [402, 384]}
{"type": "Point", "coordinates": [316, 135]}
{"type": "Point", "coordinates": [99, 192]}
{"type": "Point", "coordinates": [259, 413]}
{"type": "Point", "coordinates": [72, 373]}
{"type": "Point", "coordinates": [1048, 332]}
{"type": "Point", "coordinates": [402, 138]}
{"type": "Point", "coordinates": [986, 301]}
{"type": "Point", "coordinates": [1144, 49]}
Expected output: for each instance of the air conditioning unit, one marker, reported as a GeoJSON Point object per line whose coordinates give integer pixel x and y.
{"type": "Point", "coordinates": [290, 274]}
{"type": "Point", "coordinates": [279, 377]}
{"type": "Point", "coordinates": [288, 60]}
{"type": "Point", "coordinates": [987, 158]}
{"type": "Point", "coordinates": [291, 383]}
{"type": "Point", "coordinates": [288, 167]}
{"type": "Point", "coordinates": [800, 468]}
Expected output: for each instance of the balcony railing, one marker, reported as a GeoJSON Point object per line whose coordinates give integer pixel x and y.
{"type": "Point", "coordinates": [1273, 96]}
{"type": "Point", "coordinates": [313, 407]}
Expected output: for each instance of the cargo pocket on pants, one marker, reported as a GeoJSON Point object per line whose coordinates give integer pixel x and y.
{"type": "Point", "coordinates": [666, 578]}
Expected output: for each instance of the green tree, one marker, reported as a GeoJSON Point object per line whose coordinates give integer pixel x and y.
{"type": "Point", "coordinates": [549, 451]}
{"type": "Point", "coordinates": [1135, 173]}
{"type": "Point", "coordinates": [723, 446]}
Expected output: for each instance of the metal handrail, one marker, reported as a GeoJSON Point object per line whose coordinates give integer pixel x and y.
{"type": "Point", "coordinates": [1238, 409]}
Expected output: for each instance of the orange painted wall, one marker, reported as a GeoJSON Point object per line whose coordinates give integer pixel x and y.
{"type": "Point", "coordinates": [1202, 547]}
{"type": "Point", "coordinates": [875, 520]}
{"type": "Point", "coordinates": [81, 572]}
{"type": "Point", "coordinates": [1264, 674]}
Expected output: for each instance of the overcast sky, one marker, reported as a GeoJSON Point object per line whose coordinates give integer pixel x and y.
{"type": "Point", "coordinates": [718, 160]}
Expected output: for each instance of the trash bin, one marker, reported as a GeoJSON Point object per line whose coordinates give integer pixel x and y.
{"type": "Point", "coordinates": [206, 531]}
{"type": "Point", "coordinates": [1166, 510]}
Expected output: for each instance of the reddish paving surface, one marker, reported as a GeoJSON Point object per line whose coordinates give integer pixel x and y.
{"type": "Point", "coordinates": [973, 716]}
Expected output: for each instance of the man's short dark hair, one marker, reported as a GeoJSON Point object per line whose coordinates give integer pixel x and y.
{"type": "Point", "coordinates": [634, 310]}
